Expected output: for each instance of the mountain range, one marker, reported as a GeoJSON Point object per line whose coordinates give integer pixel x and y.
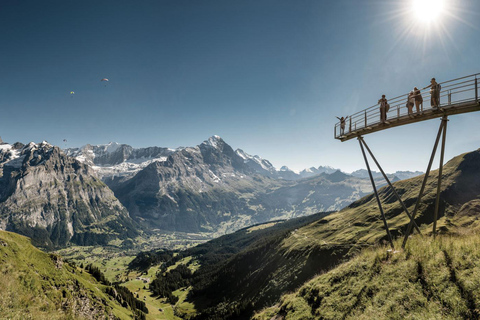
{"type": "Point", "coordinates": [96, 194]}
{"type": "Point", "coordinates": [213, 188]}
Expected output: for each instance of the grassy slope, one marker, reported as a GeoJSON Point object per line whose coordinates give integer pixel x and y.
{"type": "Point", "coordinates": [428, 280]}
{"type": "Point", "coordinates": [257, 276]}
{"type": "Point", "coordinates": [37, 285]}
{"type": "Point", "coordinates": [373, 285]}
{"type": "Point", "coordinates": [359, 225]}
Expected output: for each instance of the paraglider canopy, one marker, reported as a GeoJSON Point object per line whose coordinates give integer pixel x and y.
{"type": "Point", "coordinates": [104, 79]}
{"type": "Point", "coordinates": [72, 92]}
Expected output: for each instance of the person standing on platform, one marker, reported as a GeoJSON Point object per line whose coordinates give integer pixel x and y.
{"type": "Point", "coordinates": [434, 93]}
{"type": "Point", "coordinates": [342, 124]}
{"type": "Point", "coordinates": [410, 102]}
{"type": "Point", "coordinates": [384, 107]}
{"type": "Point", "coordinates": [418, 99]}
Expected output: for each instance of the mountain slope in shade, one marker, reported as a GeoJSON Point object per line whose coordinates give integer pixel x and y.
{"type": "Point", "coordinates": [54, 199]}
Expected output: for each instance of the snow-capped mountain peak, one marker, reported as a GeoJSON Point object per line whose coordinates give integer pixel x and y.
{"type": "Point", "coordinates": [255, 162]}
{"type": "Point", "coordinates": [111, 147]}
{"type": "Point", "coordinates": [214, 141]}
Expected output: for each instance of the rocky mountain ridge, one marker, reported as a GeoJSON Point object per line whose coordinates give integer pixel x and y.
{"type": "Point", "coordinates": [214, 188]}
{"type": "Point", "coordinates": [114, 159]}
{"type": "Point", "coordinates": [55, 199]}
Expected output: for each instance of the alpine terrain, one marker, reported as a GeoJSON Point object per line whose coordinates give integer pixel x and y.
{"type": "Point", "coordinates": [241, 273]}
{"type": "Point", "coordinates": [213, 188]}
{"type": "Point", "coordinates": [55, 199]}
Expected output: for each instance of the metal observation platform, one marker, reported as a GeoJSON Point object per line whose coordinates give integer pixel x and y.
{"type": "Point", "coordinates": [456, 96]}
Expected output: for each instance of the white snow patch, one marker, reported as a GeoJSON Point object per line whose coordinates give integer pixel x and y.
{"type": "Point", "coordinates": [171, 198]}
{"type": "Point", "coordinates": [5, 147]}
{"type": "Point", "coordinates": [126, 167]}
{"type": "Point", "coordinates": [215, 177]}
{"type": "Point", "coordinates": [213, 141]}
{"type": "Point", "coordinates": [112, 147]}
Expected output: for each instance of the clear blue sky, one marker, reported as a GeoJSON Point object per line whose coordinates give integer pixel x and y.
{"type": "Point", "coordinates": [267, 76]}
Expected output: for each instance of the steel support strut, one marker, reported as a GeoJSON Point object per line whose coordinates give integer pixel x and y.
{"type": "Point", "coordinates": [376, 194]}
{"type": "Point", "coordinates": [389, 184]}
{"type": "Point", "coordinates": [419, 199]}
{"type": "Point", "coordinates": [440, 171]}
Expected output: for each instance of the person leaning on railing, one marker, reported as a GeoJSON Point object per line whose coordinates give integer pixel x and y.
{"type": "Point", "coordinates": [434, 93]}
{"type": "Point", "coordinates": [418, 99]}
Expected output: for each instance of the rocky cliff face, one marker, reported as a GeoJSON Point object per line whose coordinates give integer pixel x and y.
{"type": "Point", "coordinates": [55, 199]}
{"type": "Point", "coordinates": [193, 189]}
{"type": "Point", "coordinates": [213, 188]}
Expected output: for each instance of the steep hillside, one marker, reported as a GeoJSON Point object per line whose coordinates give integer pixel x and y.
{"type": "Point", "coordinates": [54, 199]}
{"type": "Point", "coordinates": [37, 285]}
{"type": "Point", "coordinates": [256, 277]}
{"type": "Point", "coordinates": [429, 280]}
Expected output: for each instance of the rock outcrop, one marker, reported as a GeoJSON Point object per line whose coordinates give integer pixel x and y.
{"type": "Point", "coordinates": [55, 199]}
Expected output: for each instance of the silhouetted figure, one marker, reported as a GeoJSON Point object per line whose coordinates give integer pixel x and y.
{"type": "Point", "coordinates": [384, 107]}
{"type": "Point", "coordinates": [342, 124]}
{"type": "Point", "coordinates": [418, 99]}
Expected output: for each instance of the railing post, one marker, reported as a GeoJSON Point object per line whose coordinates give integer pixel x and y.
{"type": "Point", "coordinates": [350, 126]}
{"type": "Point", "coordinates": [365, 118]}
{"type": "Point", "coordinates": [449, 97]}
{"type": "Point", "coordinates": [398, 111]}
{"type": "Point", "coordinates": [335, 132]}
{"type": "Point", "coordinates": [476, 89]}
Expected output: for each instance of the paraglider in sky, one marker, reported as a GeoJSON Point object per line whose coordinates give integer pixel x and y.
{"type": "Point", "coordinates": [106, 81]}
{"type": "Point", "coordinates": [72, 93]}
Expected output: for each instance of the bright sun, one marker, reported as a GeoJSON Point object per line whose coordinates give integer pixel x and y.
{"type": "Point", "coordinates": [428, 10]}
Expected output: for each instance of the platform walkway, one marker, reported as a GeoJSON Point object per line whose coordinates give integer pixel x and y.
{"type": "Point", "coordinates": [457, 96]}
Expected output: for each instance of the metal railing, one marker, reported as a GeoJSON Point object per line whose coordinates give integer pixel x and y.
{"type": "Point", "coordinates": [460, 90]}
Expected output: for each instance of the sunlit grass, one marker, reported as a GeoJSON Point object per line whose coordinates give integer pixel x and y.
{"type": "Point", "coordinates": [430, 279]}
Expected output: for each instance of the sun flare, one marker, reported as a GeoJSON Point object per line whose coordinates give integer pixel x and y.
{"type": "Point", "coordinates": [428, 10]}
